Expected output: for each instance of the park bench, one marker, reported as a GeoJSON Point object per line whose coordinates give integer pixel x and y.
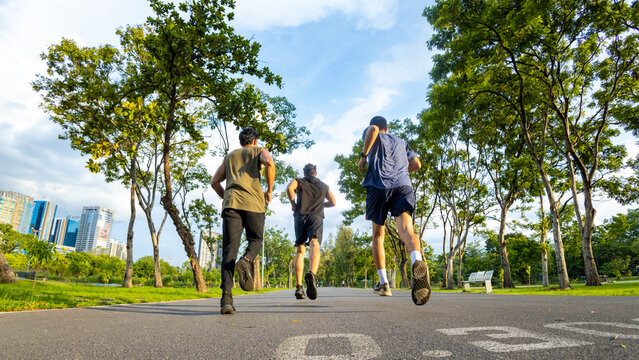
{"type": "Point", "coordinates": [481, 277]}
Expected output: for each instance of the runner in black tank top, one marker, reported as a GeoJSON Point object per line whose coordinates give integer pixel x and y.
{"type": "Point", "coordinates": [312, 197]}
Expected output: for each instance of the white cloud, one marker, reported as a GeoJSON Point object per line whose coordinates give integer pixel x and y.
{"type": "Point", "coordinates": [264, 14]}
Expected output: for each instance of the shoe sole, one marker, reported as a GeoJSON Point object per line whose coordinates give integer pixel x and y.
{"type": "Point", "coordinates": [311, 290]}
{"type": "Point", "coordinates": [421, 284]}
{"type": "Point", "coordinates": [227, 310]}
{"type": "Point", "coordinates": [244, 273]}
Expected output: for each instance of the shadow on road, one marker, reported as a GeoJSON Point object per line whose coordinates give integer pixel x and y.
{"type": "Point", "coordinates": [197, 310]}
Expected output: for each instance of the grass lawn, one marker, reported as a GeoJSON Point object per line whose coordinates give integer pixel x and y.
{"type": "Point", "coordinates": [606, 289]}
{"type": "Point", "coordinates": [57, 295]}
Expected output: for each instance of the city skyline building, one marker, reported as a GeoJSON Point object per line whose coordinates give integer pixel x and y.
{"type": "Point", "coordinates": [65, 232]}
{"type": "Point", "coordinates": [16, 210]}
{"type": "Point", "coordinates": [205, 256]}
{"type": "Point", "coordinates": [25, 219]}
{"type": "Point", "coordinates": [117, 249]}
{"type": "Point", "coordinates": [94, 229]}
{"type": "Point", "coordinates": [43, 219]}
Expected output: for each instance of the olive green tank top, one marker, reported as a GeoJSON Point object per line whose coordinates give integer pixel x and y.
{"type": "Point", "coordinates": [243, 172]}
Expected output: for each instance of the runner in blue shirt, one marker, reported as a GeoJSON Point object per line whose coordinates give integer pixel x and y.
{"type": "Point", "coordinates": [388, 188]}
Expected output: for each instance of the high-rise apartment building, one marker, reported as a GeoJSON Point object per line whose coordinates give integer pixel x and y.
{"type": "Point", "coordinates": [94, 229]}
{"type": "Point", "coordinates": [65, 231]}
{"type": "Point", "coordinates": [25, 219]}
{"type": "Point", "coordinates": [117, 249]}
{"type": "Point", "coordinates": [207, 257]}
{"type": "Point", "coordinates": [16, 210]}
{"type": "Point", "coordinates": [42, 220]}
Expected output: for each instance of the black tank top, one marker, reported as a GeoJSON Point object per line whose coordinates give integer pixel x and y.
{"type": "Point", "coordinates": [311, 196]}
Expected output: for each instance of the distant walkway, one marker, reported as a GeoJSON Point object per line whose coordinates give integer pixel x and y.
{"type": "Point", "coordinates": [342, 323]}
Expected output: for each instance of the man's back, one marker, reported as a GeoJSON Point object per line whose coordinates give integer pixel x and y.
{"type": "Point", "coordinates": [243, 171]}
{"type": "Point", "coordinates": [311, 196]}
{"type": "Point", "coordinates": [388, 162]}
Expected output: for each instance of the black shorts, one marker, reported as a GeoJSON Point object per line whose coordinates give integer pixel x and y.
{"type": "Point", "coordinates": [308, 227]}
{"type": "Point", "coordinates": [380, 201]}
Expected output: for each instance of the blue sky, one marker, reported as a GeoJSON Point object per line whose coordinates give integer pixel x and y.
{"type": "Point", "coordinates": [342, 63]}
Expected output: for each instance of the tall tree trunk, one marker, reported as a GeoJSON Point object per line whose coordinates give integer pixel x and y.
{"type": "Point", "coordinates": [503, 250]}
{"type": "Point", "coordinates": [365, 278]}
{"type": "Point", "coordinates": [155, 240]}
{"type": "Point", "coordinates": [544, 266]}
{"type": "Point", "coordinates": [544, 253]}
{"type": "Point", "coordinates": [449, 273]}
{"type": "Point", "coordinates": [459, 269]}
{"type": "Point", "coordinates": [157, 272]}
{"type": "Point", "coordinates": [586, 226]}
{"type": "Point", "coordinates": [402, 266]}
{"type": "Point", "coordinates": [6, 273]}
{"type": "Point", "coordinates": [128, 272]}
{"type": "Point", "coordinates": [167, 202]}
{"type": "Point", "coordinates": [257, 277]}
{"type": "Point", "coordinates": [562, 271]}
{"type": "Point", "coordinates": [590, 266]}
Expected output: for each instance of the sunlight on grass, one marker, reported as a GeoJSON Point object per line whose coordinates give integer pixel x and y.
{"type": "Point", "coordinates": [606, 289]}
{"type": "Point", "coordinates": [56, 295]}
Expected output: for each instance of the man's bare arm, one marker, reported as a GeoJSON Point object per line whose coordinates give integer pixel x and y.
{"type": "Point", "coordinates": [371, 135]}
{"type": "Point", "coordinates": [414, 164]}
{"type": "Point", "coordinates": [290, 190]}
{"type": "Point", "coordinates": [330, 199]}
{"type": "Point", "coordinates": [267, 160]}
{"type": "Point", "coordinates": [216, 181]}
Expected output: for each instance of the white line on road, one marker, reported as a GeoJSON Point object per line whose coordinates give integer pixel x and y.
{"type": "Point", "coordinates": [573, 326]}
{"type": "Point", "coordinates": [362, 347]}
{"type": "Point", "coordinates": [437, 353]}
{"type": "Point", "coordinates": [507, 332]}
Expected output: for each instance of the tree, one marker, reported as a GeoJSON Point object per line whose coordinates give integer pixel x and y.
{"type": "Point", "coordinates": [205, 217]}
{"type": "Point", "coordinates": [144, 267]}
{"type": "Point", "coordinates": [279, 253]}
{"type": "Point", "coordinates": [91, 94]}
{"type": "Point", "coordinates": [9, 239]}
{"type": "Point", "coordinates": [79, 265]}
{"type": "Point", "coordinates": [457, 176]}
{"type": "Point", "coordinates": [149, 167]}
{"type": "Point", "coordinates": [39, 254]}
{"type": "Point", "coordinates": [195, 61]}
{"type": "Point", "coordinates": [616, 244]}
{"type": "Point", "coordinates": [505, 52]}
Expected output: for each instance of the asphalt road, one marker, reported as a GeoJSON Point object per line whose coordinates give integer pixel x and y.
{"type": "Point", "coordinates": [340, 324]}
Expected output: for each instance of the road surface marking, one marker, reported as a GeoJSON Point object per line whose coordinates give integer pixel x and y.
{"type": "Point", "coordinates": [573, 326]}
{"type": "Point", "coordinates": [362, 347]}
{"type": "Point", "coordinates": [437, 353]}
{"type": "Point", "coordinates": [508, 332]}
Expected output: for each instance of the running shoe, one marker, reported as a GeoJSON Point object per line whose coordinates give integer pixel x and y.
{"type": "Point", "coordinates": [226, 303]}
{"type": "Point", "coordinates": [299, 292]}
{"type": "Point", "coordinates": [245, 273]}
{"type": "Point", "coordinates": [311, 287]}
{"type": "Point", "coordinates": [382, 289]}
{"type": "Point", "coordinates": [420, 283]}
{"type": "Point", "coordinates": [227, 310]}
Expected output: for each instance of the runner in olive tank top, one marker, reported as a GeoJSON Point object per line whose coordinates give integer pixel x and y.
{"type": "Point", "coordinates": [242, 209]}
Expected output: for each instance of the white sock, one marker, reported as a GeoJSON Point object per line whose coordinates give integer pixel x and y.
{"type": "Point", "coordinates": [414, 256]}
{"type": "Point", "coordinates": [382, 276]}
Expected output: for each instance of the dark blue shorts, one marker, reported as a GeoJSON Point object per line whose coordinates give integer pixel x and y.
{"type": "Point", "coordinates": [380, 201]}
{"type": "Point", "coordinates": [308, 227]}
